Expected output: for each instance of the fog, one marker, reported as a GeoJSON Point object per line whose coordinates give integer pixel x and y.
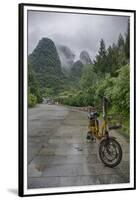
{"type": "Point", "coordinates": [77, 31]}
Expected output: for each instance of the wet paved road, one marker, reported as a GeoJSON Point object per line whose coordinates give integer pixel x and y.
{"type": "Point", "coordinates": [60, 155]}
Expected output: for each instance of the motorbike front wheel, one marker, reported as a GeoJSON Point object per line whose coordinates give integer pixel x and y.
{"type": "Point", "coordinates": [110, 152]}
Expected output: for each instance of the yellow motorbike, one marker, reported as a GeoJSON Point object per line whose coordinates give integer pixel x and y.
{"type": "Point", "coordinates": [110, 151]}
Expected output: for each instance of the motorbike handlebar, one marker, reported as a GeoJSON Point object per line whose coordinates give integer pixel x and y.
{"type": "Point", "coordinates": [105, 98]}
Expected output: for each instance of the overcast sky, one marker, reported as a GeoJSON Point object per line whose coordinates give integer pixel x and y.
{"type": "Point", "coordinates": [77, 31]}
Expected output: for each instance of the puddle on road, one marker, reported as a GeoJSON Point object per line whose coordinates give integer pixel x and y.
{"type": "Point", "coordinates": [79, 148]}
{"type": "Point", "coordinates": [35, 169]}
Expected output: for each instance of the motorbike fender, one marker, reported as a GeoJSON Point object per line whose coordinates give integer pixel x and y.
{"type": "Point", "coordinates": [108, 137]}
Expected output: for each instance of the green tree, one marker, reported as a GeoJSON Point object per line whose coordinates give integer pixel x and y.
{"type": "Point", "coordinates": [120, 93]}
{"type": "Point", "coordinates": [127, 42]}
{"type": "Point", "coordinates": [32, 100]}
{"type": "Point", "coordinates": [33, 83]}
{"type": "Point", "coordinates": [89, 77]}
{"type": "Point", "coordinates": [121, 42]}
{"type": "Point", "coordinates": [49, 92]}
{"type": "Point", "coordinates": [100, 62]}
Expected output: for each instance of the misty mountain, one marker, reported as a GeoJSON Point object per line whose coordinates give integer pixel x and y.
{"type": "Point", "coordinates": [76, 70]}
{"type": "Point", "coordinates": [66, 57]}
{"type": "Point", "coordinates": [46, 64]}
{"type": "Point", "coordinates": [85, 58]}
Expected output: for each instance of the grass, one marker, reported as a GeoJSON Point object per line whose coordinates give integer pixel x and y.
{"type": "Point", "coordinates": [125, 130]}
{"type": "Point", "coordinates": [117, 119]}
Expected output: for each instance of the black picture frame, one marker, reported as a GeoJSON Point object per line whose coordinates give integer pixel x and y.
{"type": "Point", "coordinates": [21, 98]}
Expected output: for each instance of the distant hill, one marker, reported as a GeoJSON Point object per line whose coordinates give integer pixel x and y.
{"type": "Point", "coordinates": [77, 67]}
{"type": "Point", "coordinates": [85, 58]}
{"type": "Point", "coordinates": [46, 64]}
{"type": "Point", "coordinates": [76, 70]}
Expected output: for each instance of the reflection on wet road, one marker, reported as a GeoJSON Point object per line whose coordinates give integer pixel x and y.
{"type": "Point", "coordinates": [59, 154]}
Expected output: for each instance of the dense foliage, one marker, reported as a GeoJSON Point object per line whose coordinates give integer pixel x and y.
{"type": "Point", "coordinates": [32, 100]}
{"type": "Point", "coordinates": [108, 75]}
